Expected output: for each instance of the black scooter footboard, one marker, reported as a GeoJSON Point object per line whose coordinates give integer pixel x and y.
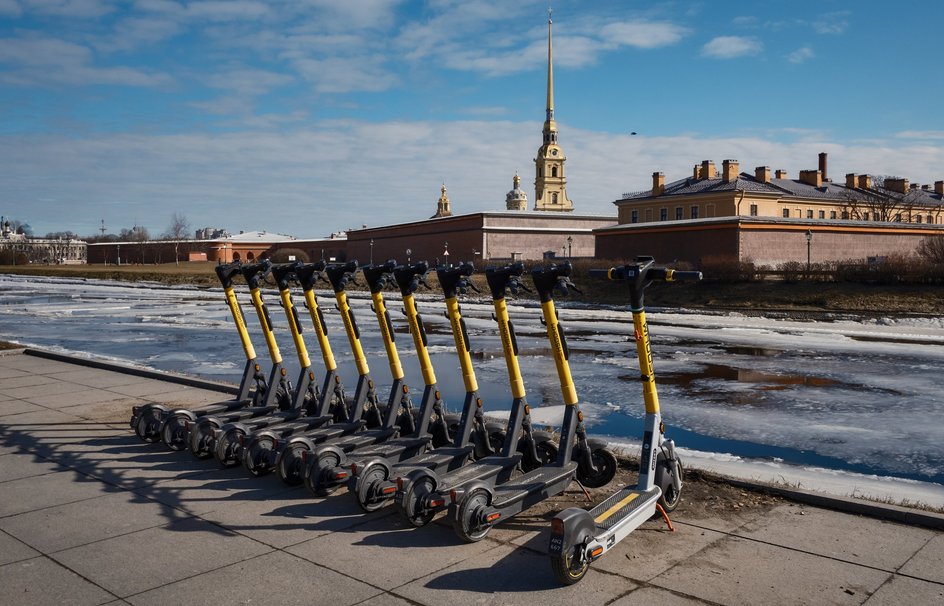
{"type": "Point", "coordinates": [535, 486]}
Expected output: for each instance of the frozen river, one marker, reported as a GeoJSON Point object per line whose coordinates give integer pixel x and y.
{"type": "Point", "coordinates": [847, 401]}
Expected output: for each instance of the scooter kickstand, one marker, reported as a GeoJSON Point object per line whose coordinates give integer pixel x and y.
{"type": "Point", "coordinates": [585, 492]}
{"type": "Point", "coordinates": [665, 517]}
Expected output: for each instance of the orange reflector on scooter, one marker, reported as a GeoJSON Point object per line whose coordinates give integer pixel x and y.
{"type": "Point", "coordinates": [305, 456]}
{"type": "Point", "coordinates": [284, 372]}
{"type": "Point", "coordinates": [399, 483]}
{"type": "Point", "coordinates": [242, 439]}
{"type": "Point", "coordinates": [492, 517]}
{"type": "Point", "coordinates": [389, 489]}
{"type": "Point", "coordinates": [557, 526]}
{"type": "Point", "coordinates": [354, 469]}
{"type": "Point", "coordinates": [596, 551]}
{"type": "Point", "coordinates": [437, 503]}
{"type": "Point", "coordinates": [453, 496]}
{"type": "Point", "coordinates": [340, 475]}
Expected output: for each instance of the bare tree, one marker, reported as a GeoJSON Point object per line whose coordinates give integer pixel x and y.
{"type": "Point", "coordinates": [931, 249]}
{"type": "Point", "coordinates": [878, 203]}
{"type": "Point", "coordinates": [178, 230]}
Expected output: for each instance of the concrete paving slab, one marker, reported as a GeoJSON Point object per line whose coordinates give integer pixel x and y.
{"type": "Point", "coordinates": [928, 563]}
{"type": "Point", "coordinates": [81, 395]}
{"type": "Point", "coordinates": [94, 377]}
{"type": "Point", "coordinates": [42, 415]}
{"type": "Point", "coordinates": [14, 550]}
{"type": "Point", "coordinates": [288, 580]}
{"type": "Point", "coordinates": [137, 470]}
{"type": "Point", "coordinates": [903, 590]}
{"type": "Point", "coordinates": [8, 372]}
{"type": "Point", "coordinates": [24, 465]}
{"type": "Point", "coordinates": [4, 397]}
{"type": "Point", "coordinates": [292, 517]}
{"type": "Point", "coordinates": [148, 387]}
{"type": "Point", "coordinates": [34, 364]}
{"type": "Point", "coordinates": [54, 387]}
{"type": "Point", "coordinates": [42, 581]}
{"type": "Point", "coordinates": [397, 554]}
{"type": "Point", "coordinates": [17, 406]}
{"type": "Point", "coordinates": [210, 490]}
{"type": "Point", "coordinates": [646, 596]}
{"type": "Point", "coordinates": [136, 562]}
{"type": "Point", "coordinates": [848, 538]}
{"type": "Point", "coordinates": [74, 524]}
{"type": "Point", "coordinates": [117, 410]}
{"type": "Point", "coordinates": [29, 494]}
{"type": "Point", "coordinates": [731, 571]}
{"type": "Point", "coordinates": [28, 380]}
{"type": "Point", "coordinates": [385, 599]}
{"type": "Point", "coordinates": [505, 575]}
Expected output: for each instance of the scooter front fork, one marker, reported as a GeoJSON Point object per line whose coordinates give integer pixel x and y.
{"type": "Point", "coordinates": [668, 447]}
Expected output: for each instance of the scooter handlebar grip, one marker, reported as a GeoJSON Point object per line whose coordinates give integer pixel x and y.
{"type": "Point", "coordinates": [255, 272]}
{"type": "Point", "coordinates": [226, 271]}
{"type": "Point", "coordinates": [499, 278]}
{"type": "Point", "coordinates": [285, 273]}
{"type": "Point", "coordinates": [684, 276]}
{"type": "Point", "coordinates": [606, 274]}
{"type": "Point", "coordinates": [309, 273]}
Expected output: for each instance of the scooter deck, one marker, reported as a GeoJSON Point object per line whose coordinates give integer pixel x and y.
{"type": "Point", "coordinates": [535, 482]}
{"type": "Point", "coordinates": [242, 414]}
{"type": "Point", "coordinates": [483, 469]}
{"type": "Point", "coordinates": [335, 430]}
{"type": "Point", "coordinates": [365, 438]}
{"type": "Point", "coordinates": [303, 424]}
{"type": "Point", "coordinates": [395, 448]}
{"type": "Point", "coordinates": [436, 458]}
{"type": "Point", "coordinates": [286, 419]}
{"type": "Point", "coordinates": [621, 505]}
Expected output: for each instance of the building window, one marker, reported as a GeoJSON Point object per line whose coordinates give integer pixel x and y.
{"type": "Point", "coordinates": [876, 217]}
{"type": "Point", "coordinates": [753, 210]}
{"type": "Point", "coordinates": [663, 214]}
{"type": "Point", "coordinates": [898, 217]}
{"type": "Point", "coordinates": [832, 214]}
{"type": "Point", "coordinates": [786, 213]}
{"type": "Point", "coordinates": [930, 219]}
{"type": "Point", "coordinates": [679, 213]}
{"type": "Point", "coordinates": [694, 212]}
{"type": "Point", "coordinates": [809, 214]}
{"type": "Point", "coordinates": [865, 216]}
{"type": "Point", "coordinates": [822, 214]}
{"type": "Point", "coordinates": [553, 198]}
{"type": "Point", "coordinates": [553, 171]}
{"type": "Point", "coordinates": [634, 216]}
{"type": "Point", "coordinates": [845, 215]}
{"type": "Point", "coordinates": [920, 218]}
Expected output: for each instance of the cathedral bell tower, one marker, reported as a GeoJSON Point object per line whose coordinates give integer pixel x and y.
{"type": "Point", "coordinates": [550, 184]}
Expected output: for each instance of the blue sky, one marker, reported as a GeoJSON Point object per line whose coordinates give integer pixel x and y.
{"type": "Point", "coordinates": [310, 116]}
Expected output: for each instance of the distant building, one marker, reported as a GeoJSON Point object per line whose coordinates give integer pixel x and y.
{"type": "Point", "coordinates": [51, 251]}
{"type": "Point", "coordinates": [550, 184]}
{"type": "Point", "coordinates": [516, 199]}
{"type": "Point", "coordinates": [442, 206]}
{"type": "Point", "coordinates": [211, 233]}
{"type": "Point", "coordinates": [769, 218]}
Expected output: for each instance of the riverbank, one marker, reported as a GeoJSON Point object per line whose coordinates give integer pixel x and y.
{"type": "Point", "coordinates": [761, 296]}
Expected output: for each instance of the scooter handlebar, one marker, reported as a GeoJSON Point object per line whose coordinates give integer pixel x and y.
{"type": "Point", "coordinates": [553, 278]}
{"type": "Point", "coordinates": [286, 273]}
{"type": "Point", "coordinates": [652, 274]}
{"type": "Point", "coordinates": [226, 271]}
{"type": "Point", "coordinates": [378, 276]}
{"type": "Point", "coordinates": [309, 273]}
{"type": "Point", "coordinates": [454, 279]}
{"type": "Point", "coordinates": [410, 277]}
{"type": "Point", "coordinates": [256, 272]}
{"type": "Point", "coordinates": [341, 274]}
{"type": "Point", "coordinates": [503, 279]}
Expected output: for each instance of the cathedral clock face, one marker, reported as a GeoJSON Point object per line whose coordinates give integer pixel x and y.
{"type": "Point", "coordinates": [553, 152]}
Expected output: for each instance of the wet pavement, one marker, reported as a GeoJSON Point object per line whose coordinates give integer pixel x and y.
{"type": "Point", "coordinates": [90, 515]}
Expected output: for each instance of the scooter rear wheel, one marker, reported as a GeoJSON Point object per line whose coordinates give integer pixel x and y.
{"type": "Point", "coordinates": [365, 494]}
{"type": "Point", "coordinates": [316, 480]}
{"type": "Point", "coordinates": [256, 456]}
{"type": "Point", "coordinates": [148, 426]}
{"type": "Point", "coordinates": [569, 568]}
{"type": "Point", "coordinates": [227, 448]}
{"type": "Point", "coordinates": [605, 463]}
{"type": "Point", "coordinates": [172, 433]}
{"type": "Point", "coordinates": [290, 464]}
{"type": "Point", "coordinates": [200, 438]}
{"type": "Point", "coordinates": [412, 509]}
{"type": "Point", "coordinates": [465, 524]}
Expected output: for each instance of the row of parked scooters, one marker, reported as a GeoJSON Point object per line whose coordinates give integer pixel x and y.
{"type": "Point", "coordinates": [424, 459]}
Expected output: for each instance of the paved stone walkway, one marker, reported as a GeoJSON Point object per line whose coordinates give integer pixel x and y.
{"type": "Point", "coordinates": [90, 515]}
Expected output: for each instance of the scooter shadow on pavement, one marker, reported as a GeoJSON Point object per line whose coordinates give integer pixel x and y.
{"type": "Point", "coordinates": [503, 575]}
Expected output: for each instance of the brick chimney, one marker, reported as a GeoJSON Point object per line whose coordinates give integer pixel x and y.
{"type": "Point", "coordinates": [939, 187]}
{"type": "Point", "coordinates": [851, 179]}
{"type": "Point", "coordinates": [696, 173]}
{"type": "Point", "coordinates": [708, 169]}
{"type": "Point", "coordinates": [658, 184]}
{"type": "Point", "coordinates": [897, 185]}
{"type": "Point", "coordinates": [865, 182]}
{"type": "Point", "coordinates": [729, 170]}
{"type": "Point", "coordinates": [822, 165]}
{"type": "Point", "coordinates": [781, 174]}
{"type": "Point", "coordinates": [762, 174]}
{"type": "Point", "coordinates": [812, 177]}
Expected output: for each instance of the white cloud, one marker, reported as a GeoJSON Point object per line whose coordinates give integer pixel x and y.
{"type": "Point", "coordinates": [53, 61]}
{"type": "Point", "coordinates": [731, 47]}
{"type": "Point", "coordinates": [642, 34]}
{"type": "Point", "coordinates": [920, 134]}
{"type": "Point", "coordinates": [345, 75]}
{"type": "Point", "coordinates": [832, 23]}
{"type": "Point", "coordinates": [248, 81]}
{"type": "Point", "coordinates": [10, 8]}
{"type": "Point", "coordinates": [331, 175]}
{"type": "Point", "coordinates": [801, 55]}
{"type": "Point", "coordinates": [68, 8]}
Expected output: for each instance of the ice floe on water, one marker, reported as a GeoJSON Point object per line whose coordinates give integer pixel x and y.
{"type": "Point", "coordinates": [843, 402]}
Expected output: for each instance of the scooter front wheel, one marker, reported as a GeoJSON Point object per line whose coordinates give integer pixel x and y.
{"type": "Point", "coordinates": [257, 456]}
{"type": "Point", "coordinates": [466, 522]}
{"type": "Point", "coordinates": [569, 568]}
{"type": "Point", "coordinates": [201, 438]}
{"type": "Point", "coordinates": [671, 497]}
{"type": "Point", "coordinates": [227, 448]}
{"type": "Point", "coordinates": [148, 426]}
{"type": "Point", "coordinates": [172, 433]}
{"type": "Point", "coordinates": [605, 463]}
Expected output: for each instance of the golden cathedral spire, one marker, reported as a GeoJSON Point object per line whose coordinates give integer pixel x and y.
{"type": "Point", "coordinates": [550, 186]}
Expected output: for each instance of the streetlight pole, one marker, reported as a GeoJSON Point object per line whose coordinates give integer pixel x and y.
{"type": "Point", "coordinates": [371, 251]}
{"type": "Point", "coordinates": [570, 250]}
{"type": "Point", "coordinates": [809, 250]}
